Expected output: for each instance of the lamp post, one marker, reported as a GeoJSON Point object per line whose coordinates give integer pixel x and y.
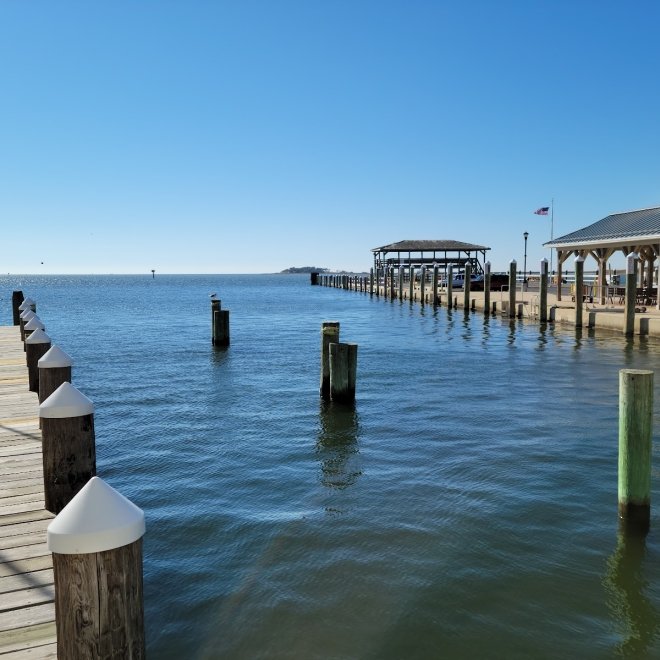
{"type": "Point", "coordinates": [526, 234]}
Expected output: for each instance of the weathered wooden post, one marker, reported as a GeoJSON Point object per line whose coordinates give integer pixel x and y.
{"type": "Point", "coordinates": [422, 284]}
{"type": "Point", "coordinates": [314, 279]}
{"type": "Point", "coordinates": [68, 445]}
{"type": "Point", "coordinates": [371, 281]}
{"type": "Point", "coordinates": [54, 369]}
{"type": "Point", "coordinates": [392, 284]}
{"type": "Point", "coordinates": [635, 425]}
{"type": "Point", "coordinates": [343, 370]}
{"type": "Point", "coordinates": [487, 288]}
{"type": "Point", "coordinates": [543, 295]}
{"type": "Point", "coordinates": [36, 346]}
{"type": "Point", "coordinates": [221, 327]}
{"type": "Point", "coordinates": [512, 289]}
{"type": "Point", "coordinates": [33, 324]}
{"type": "Point", "coordinates": [400, 282]}
{"type": "Point", "coordinates": [579, 290]}
{"type": "Point", "coordinates": [434, 284]}
{"type": "Point", "coordinates": [216, 305]}
{"type": "Point", "coordinates": [16, 300]}
{"type": "Point", "coordinates": [96, 543]}
{"type": "Point", "coordinates": [411, 283]}
{"type": "Point", "coordinates": [631, 295]}
{"type": "Point", "coordinates": [329, 335]}
{"type": "Point", "coordinates": [466, 286]}
{"type": "Point", "coordinates": [450, 285]}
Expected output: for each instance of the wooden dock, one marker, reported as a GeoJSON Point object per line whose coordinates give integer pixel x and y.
{"type": "Point", "coordinates": [27, 610]}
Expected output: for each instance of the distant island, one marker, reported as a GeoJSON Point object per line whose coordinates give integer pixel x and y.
{"type": "Point", "coordinates": [304, 269]}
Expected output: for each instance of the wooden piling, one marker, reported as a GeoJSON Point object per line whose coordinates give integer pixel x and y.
{"type": "Point", "coordinates": [329, 335]}
{"type": "Point", "coordinates": [36, 346]}
{"type": "Point", "coordinates": [635, 450]}
{"type": "Point", "coordinates": [631, 295]}
{"type": "Point", "coordinates": [371, 281]}
{"type": "Point", "coordinates": [466, 285]}
{"type": "Point", "coordinates": [96, 543]}
{"type": "Point", "coordinates": [33, 324]}
{"type": "Point", "coordinates": [450, 285]}
{"type": "Point", "coordinates": [69, 445]}
{"type": "Point", "coordinates": [400, 282]}
{"type": "Point", "coordinates": [543, 294]}
{"type": "Point", "coordinates": [512, 289]}
{"type": "Point", "coordinates": [392, 284]}
{"type": "Point", "coordinates": [434, 284]}
{"type": "Point", "coordinates": [411, 283]}
{"type": "Point", "coordinates": [17, 299]}
{"type": "Point", "coordinates": [487, 288]}
{"type": "Point", "coordinates": [422, 284]}
{"type": "Point", "coordinates": [221, 327]}
{"type": "Point", "coordinates": [343, 370]}
{"type": "Point", "coordinates": [54, 369]}
{"type": "Point", "coordinates": [579, 290]}
{"type": "Point", "coordinates": [25, 316]}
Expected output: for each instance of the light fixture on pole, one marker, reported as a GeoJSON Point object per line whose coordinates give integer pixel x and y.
{"type": "Point", "coordinates": [526, 234]}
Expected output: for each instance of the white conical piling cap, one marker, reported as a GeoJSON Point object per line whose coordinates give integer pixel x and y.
{"type": "Point", "coordinates": [54, 358]}
{"type": "Point", "coordinates": [97, 519]}
{"type": "Point", "coordinates": [66, 401]}
{"type": "Point", "coordinates": [22, 307]}
{"type": "Point", "coordinates": [38, 337]}
{"type": "Point", "coordinates": [28, 302]}
{"type": "Point", "coordinates": [34, 324]}
{"type": "Point", "coordinates": [27, 314]}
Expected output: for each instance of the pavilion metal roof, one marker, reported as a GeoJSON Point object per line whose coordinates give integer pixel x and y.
{"type": "Point", "coordinates": [430, 246]}
{"type": "Point", "coordinates": [615, 228]}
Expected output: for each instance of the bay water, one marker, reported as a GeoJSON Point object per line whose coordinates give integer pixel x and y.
{"type": "Point", "coordinates": [465, 507]}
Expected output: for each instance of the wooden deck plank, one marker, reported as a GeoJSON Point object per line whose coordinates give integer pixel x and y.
{"type": "Point", "coordinates": [27, 611]}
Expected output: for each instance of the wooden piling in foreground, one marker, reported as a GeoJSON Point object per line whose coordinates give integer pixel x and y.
{"type": "Point", "coordinates": [68, 445]}
{"type": "Point", "coordinates": [17, 299]}
{"type": "Point", "coordinates": [467, 276]}
{"type": "Point", "coordinates": [329, 335]}
{"type": "Point", "coordinates": [371, 281]}
{"type": "Point", "coordinates": [579, 290]}
{"type": "Point", "coordinates": [631, 295]}
{"type": "Point", "coordinates": [512, 289]}
{"type": "Point", "coordinates": [343, 370]}
{"type": "Point", "coordinates": [635, 426]}
{"type": "Point", "coordinates": [486, 287]}
{"type": "Point", "coordinates": [96, 543]}
{"type": "Point", "coordinates": [543, 294]}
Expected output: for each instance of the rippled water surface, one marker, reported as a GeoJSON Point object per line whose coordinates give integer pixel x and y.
{"type": "Point", "coordinates": [465, 508]}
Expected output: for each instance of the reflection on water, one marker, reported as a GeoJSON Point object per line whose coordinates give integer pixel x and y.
{"type": "Point", "coordinates": [634, 615]}
{"type": "Point", "coordinates": [337, 447]}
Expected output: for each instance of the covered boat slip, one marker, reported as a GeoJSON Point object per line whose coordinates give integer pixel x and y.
{"type": "Point", "coordinates": [627, 232]}
{"type": "Point", "coordinates": [444, 253]}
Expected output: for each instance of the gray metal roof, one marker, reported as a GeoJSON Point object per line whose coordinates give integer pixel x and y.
{"type": "Point", "coordinates": [430, 246]}
{"type": "Point", "coordinates": [615, 227]}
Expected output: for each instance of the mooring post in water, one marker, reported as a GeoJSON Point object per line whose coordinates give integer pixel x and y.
{"type": "Point", "coordinates": [16, 300]}
{"type": "Point", "coordinates": [371, 281]}
{"type": "Point", "coordinates": [343, 370]}
{"type": "Point", "coordinates": [54, 369]}
{"type": "Point", "coordinates": [400, 282]}
{"type": "Point", "coordinates": [512, 289]}
{"type": "Point", "coordinates": [631, 295]}
{"type": "Point", "coordinates": [579, 290]}
{"type": "Point", "coordinates": [543, 294]}
{"type": "Point", "coordinates": [411, 282]}
{"type": "Point", "coordinates": [450, 285]}
{"type": "Point", "coordinates": [36, 346]}
{"type": "Point", "coordinates": [215, 306]}
{"type": "Point", "coordinates": [487, 288]}
{"type": "Point", "coordinates": [33, 324]}
{"type": "Point", "coordinates": [329, 335]}
{"type": "Point", "coordinates": [466, 286]}
{"type": "Point", "coordinates": [635, 450]}
{"type": "Point", "coordinates": [422, 284]}
{"type": "Point", "coordinates": [96, 543]}
{"type": "Point", "coordinates": [392, 283]}
{"type": "Point", "coordinates": [221, 327]}
{"type": "Point", "coordinates": [68, 445]}
{"type": "Point", "coordinates": [434, 284]}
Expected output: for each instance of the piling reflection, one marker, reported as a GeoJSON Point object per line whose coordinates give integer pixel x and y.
{"type": "Point", "coordinates": [485, 333]}
{"type": "Point", "coordinates": [337, 446]}
{"type": "Point", "coordinates": [543, 336]}
{"type": "Point", "coordinates": [625, 585]}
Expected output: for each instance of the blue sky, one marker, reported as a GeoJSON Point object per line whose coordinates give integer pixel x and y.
{"type": "Point", "coordinates": [250, 136]}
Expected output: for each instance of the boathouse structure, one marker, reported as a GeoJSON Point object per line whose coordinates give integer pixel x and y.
{"type": "Point", "coordinates": [628, 232]}
{"type": "Point", "coordinates": [415, 254]}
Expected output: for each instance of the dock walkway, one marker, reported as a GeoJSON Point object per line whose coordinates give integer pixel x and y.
{"type": "Point", "coordinates": [27, 610]}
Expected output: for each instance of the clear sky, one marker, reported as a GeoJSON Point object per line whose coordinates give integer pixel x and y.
{"type": "Point", "coordinates": [197, 136]}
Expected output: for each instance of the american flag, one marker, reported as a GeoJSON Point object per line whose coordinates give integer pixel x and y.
{"type": "Point", "coordinates": [542, 211]}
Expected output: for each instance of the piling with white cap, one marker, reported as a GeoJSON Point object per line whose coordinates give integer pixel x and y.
{"type": "Point", "coordinates": [54, 369]}
{"type": "Point", "coordinates": [36, 346]}
{"type": "Point", "coordinates": [16, 301]}
{"type": "Point", "coordinates": [35, 323]}
{"type": "Point", "coordinates": [96, 542]}
{"type": "Point", "coordinates": [28, 303]}
{"type": "Point", "coordinates": [69, 445]}
{"type": "Point", "coordinates": [24, 317]}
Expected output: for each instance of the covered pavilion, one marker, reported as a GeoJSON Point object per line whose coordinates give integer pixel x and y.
{"type": "Point", "coordinates": [407, 254]}
{"type": "Point", "coordinates": [628, 232]}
